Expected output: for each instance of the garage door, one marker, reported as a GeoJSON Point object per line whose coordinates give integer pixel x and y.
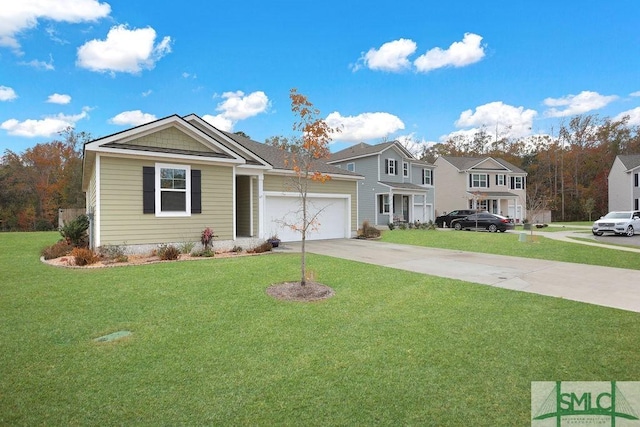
{"type": "Point", "coordinates": [332, 220]}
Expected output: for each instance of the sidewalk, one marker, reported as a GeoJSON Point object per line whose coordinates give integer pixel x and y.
{"type": "Point", "coordinates": [606, 286]}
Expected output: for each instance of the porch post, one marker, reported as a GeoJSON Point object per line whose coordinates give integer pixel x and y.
{"type": "Point", "coordinates": [392, 210]}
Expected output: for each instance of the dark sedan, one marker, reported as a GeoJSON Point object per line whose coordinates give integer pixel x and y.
{"type": "Point", "coordinates": [483, 221]}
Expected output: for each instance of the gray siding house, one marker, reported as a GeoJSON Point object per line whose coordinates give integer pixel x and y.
{"type": "Point", "coordinates": [397, 187]}
{"type": "Point", "coordinates": [624, 188]}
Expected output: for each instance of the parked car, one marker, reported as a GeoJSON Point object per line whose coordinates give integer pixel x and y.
{"type": "Point", "coordinates": [483, 221]}
{"type": "Point", "coordinates": [445, 220]}
{"type": "Point", "coordinates": [617, 222]}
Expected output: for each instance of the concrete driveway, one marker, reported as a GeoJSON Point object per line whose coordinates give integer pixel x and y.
{"type": "Point", "coordinates": [606, 286]}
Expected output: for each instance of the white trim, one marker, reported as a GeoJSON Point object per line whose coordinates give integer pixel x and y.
{"type": "Point", "coordinates": [251, 206]}
{"type": "Point", "coordinates": [136, 154]}
{"type": "Point", "coordinates": [96, 214]}
{"type": "Point", "coordinates": [353, 168]}
{"type": "Point", "coordinates": [261, 214]}
{"type": "Point", "coordinates": [406, 172]}
{"type": "Point", "coordinates": [159, 189]}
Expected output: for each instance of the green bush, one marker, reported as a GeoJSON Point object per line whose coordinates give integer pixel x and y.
{"type": "Point", "coordinates": [57, 250]}
{"type": "Point", "coordinates": [208, 253]}
{"type": "Point", "coordinates": [84, 256]}
{"type": "Point", "coordinates": [75, 231]}
{"type": "Point", "coordinates": [168, 253]}
{"type": "Point", "coordinates": [391, 226]}
{"type": "Point", "coordinates": [186, 247]}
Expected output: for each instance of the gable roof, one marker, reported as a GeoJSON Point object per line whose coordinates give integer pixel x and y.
{"type": "Point", "coordinates": [363, 150]}
{"type": "Point", "coordinates": [467, 163]}
{"type": "Point", "coordinates": [630, 161]}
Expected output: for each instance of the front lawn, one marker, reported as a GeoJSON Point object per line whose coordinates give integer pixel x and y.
{"type": "Point", "coordinates": [509, 244]}
{"type": "Point", "coordinates": [209, 347]}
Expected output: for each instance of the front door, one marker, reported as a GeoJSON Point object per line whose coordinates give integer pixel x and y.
{"type": "Point", "coordinates": [405, 208]}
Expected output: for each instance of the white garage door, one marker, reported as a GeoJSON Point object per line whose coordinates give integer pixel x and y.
{"type": "Point", "coordinates": [281, 211]}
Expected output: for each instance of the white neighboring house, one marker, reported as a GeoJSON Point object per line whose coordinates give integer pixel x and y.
{"type": "Point", "coordinates": [624, 188]}
{"type": "Point", "coordinates": [484, 183]}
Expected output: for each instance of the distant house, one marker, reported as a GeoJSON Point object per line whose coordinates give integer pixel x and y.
{"type": "Point", "coordinates": [397, 187]}
{"type": "Point", "coordinates": [484, 183]}
{"type": "Point", "coordinates": [624, 188]}
{"type": "Point", "coordinates": [166, 181]}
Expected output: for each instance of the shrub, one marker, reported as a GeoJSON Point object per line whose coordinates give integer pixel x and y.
{"type": "Point", "coordinates": [56, 250]}
{"type": "Point", "coordinates": [236, 249]}
{"type": "Point", "coordinates": [402, 226]}
{"type": "Point", "coordinates": [168, 253]}
{"type": "Point", "coordinates": [205, 253]}
{"type": "Point", "coordinates": [264, 247]}
{"type": "Point", "coordinates": [113, 253]}
{"type": "Point", "coordinates": [44, 225]}
{"type": "Point", "coordinates": [207, 237]}
{"type": "Point", "coordinates": [391, 226]}
{"type": "Point", "coordinates": [84, 256]}
{"type": "Point", "coordinates": [369, 231]}
{"type": "Point", "coordinates": [75, 231]}
{"type": "Point", "coordinates": [186, 247]}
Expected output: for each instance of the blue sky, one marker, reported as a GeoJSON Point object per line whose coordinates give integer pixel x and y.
{"type": "Point", "coordinates": [418, 70]}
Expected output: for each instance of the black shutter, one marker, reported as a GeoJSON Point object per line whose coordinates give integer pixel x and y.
{"type": "Point", "coordinates": [148, 190]}
{"type": "Point", "coordinates": [196, 191]}
{"type": "Point", "coordinates": [423, 172]}
{"type": "Point", "coordinates": [488, 181]}
{"type": "Point", "coordinates": [432, 178]}
{"type": "Point", "coordinates": [635, 176]}
{"type": "Point", "coordinates": [496, 179]}
{"type": "Point", "coordinates": [395, 169]}
{"type": "Point", "coordinates": [513, 183]}
{"type": "Point", "coordinates": [386, 166]}
{"type": "Point", "coordinates": [470, 181]}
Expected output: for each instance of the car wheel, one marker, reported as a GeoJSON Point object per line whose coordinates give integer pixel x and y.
{"type": "Point", "coordinates": [630, 231]}
{"type": "Point", "coordinates": [502, 231]}
{"type": "Point", "coordinates": [492, 228]}
{"type": "Point", "coordinates": [597, 233]}
{"type": "Point", "coordinates": [458, 226]}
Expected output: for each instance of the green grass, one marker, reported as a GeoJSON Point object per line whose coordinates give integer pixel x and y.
{"type": "Point", "coordinates": [209, 347]}
{"type": "Point", "coordinates": [510, 244]}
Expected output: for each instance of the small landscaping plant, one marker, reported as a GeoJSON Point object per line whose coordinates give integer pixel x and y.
{"type": "Point", "coordinates": [57, 250]}
{"type": "Point", "coordinates": [168, 253]}
{"type": "Point", "coordinates": [113, 253]}
{"type": "Point", "coordinates": [264, 247]}
{"type": "Point", "coordinates": [84, 256]}
{"type": "Point", "coordinates": [368, 231]}
{"type": "Point", "coordinates": [186, 247]}
{"type": "Point", "coordinates": [207, 238]}
{"type": "Point", "coordinates": [75, 231]}
{"type": "Point", "coordinates": [391, 226]}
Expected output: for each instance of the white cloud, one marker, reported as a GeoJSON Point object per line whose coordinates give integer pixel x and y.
{"type": "Point", "coordinates": [46, 127]}
{"type": "Point", "coordinates": [44, 65]}
{"type": "Point", "coordinates": [124, 50]}
{"type": "Point", "coordinates": [584, 102]}
{"type": "Point", "coordinates": [18, 16]}
{"type": "Point", "coordinates": [414, 144]}
{"type": "Point", "coordinates": [635, 93]}
{"type": "Point", "coordinates": [514, 121]}
{"type": "Point", "coordinates": [132, 118]}
{"type": "Point", "coordinates": [392, 56]}
{"type": "Point", "coordinates": [7, 93]}
{"type": "Point", "coordinates": [57, 98]}
{"type": "Point", "coordinates": [219, 122]}
{"type": "Point", "coordinates": [459, 54]}
{"type": "Point", "coordinates": [634, 116]}
{"type": "Point", "coordinates": [236, 106]}
{"type": "Point", "coordinates": [364, 126]}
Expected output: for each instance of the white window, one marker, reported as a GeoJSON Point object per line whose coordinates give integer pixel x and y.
{"type": "Point", "coordinates": [351, 167]}
{"type": "Point", "coordinates": [479, 180]}
{"type": "Point", "coordinates": [384, 207]}
{"type": "Point", "coordinates": [426, 176]}
{"type": "Point", "coordinates": [390, 166]}
{"type": "Point", "coordinates": [173, 190]}
{"type": "Point", "coordinates": [405, 169]}
{"type": "Point", "coordinates": [500, 179]}
{"type": "Point", "coordinates": [518, 182]}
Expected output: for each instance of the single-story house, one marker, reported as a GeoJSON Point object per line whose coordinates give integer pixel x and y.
{"type": "Point", "coordinates": [166, 181]}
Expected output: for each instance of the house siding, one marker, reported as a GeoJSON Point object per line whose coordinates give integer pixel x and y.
{"type": "Point", "coordinates": [282, 183]}
{"type": "Point", "coordinates": [243, 206]}
{"type": "Point", "coordinates": [170, 138]}
{"type": "Point", "coordinates": [122, 220]}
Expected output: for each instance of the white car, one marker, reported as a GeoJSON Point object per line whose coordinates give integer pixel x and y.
{"type": "Point", "coordinates": [618, 222]}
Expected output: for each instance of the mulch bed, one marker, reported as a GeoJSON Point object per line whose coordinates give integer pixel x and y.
{"type": "Point", "coordinates": [293, 291]}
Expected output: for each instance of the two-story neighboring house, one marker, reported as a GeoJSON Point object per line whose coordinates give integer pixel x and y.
{"type": "Point", "coordinates": [397, 187]}
{"type": "Point", "coordinates": [484, 183]}
{"type": "Point", "coordinates": [624, 185]}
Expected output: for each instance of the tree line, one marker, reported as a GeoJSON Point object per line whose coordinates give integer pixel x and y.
{"type": "Point", "coordinates": [567, 170]}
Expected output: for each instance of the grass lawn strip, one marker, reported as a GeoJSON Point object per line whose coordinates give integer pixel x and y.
{"type": "Point", "coordinates": [208, 346]}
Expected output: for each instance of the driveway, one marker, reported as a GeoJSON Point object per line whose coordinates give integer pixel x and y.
{"type": "Point", "coordinates": [606, 286]}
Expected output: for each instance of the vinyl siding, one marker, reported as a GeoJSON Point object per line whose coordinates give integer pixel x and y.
{"type": "Point", "coordinates": [122, 220]}
{"type": "Point", "coordinates": [621, 190]}
{"type": "Point", "coordinates": [243, 206]}
{"type": "Point", "coordinates": [333, 186]}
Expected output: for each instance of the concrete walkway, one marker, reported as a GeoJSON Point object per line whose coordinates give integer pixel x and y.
{"type": "Point", "coordinates": [606, 286]}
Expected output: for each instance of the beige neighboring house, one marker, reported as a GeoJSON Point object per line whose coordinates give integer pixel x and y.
{"type": "Point", "coordinates": [484, 183]}
{"type": "Point", "coordinates": [624, 188]}
{"type": "Point", "coordinates": [166, 181]}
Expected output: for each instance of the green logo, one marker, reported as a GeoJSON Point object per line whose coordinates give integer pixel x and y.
{"type": "Point", "coordinates": [582, 403]}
